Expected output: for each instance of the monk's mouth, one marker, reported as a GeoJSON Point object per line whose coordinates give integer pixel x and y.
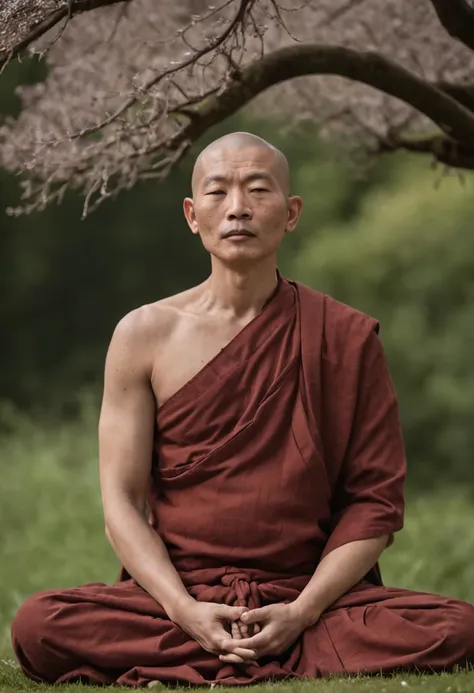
{"type": "Point", "coordinates": [239, 232]}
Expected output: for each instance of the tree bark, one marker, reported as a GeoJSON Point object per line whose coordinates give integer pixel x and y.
{"type": "Point", "coordinates": [33, 21]}
{"type": "Point", "coordinates": [451, 116]}
{"type": "Point", "coordinates": [457, 17]}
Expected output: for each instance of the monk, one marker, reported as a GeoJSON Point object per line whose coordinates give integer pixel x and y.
{"type": "Point", "coordinates": [252, 469]}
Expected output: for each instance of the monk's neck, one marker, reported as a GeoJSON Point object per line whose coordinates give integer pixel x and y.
{"type": "Point", "coordinates": [239, 294]}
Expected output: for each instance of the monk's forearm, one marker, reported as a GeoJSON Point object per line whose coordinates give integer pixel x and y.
{"type": "Point", "coordinates": [145, 557]}
{"type": "Point", "coordinates": [337, 573]}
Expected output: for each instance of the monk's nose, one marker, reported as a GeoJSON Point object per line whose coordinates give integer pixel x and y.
{"type": "Point", "coordinates": [238, 208]}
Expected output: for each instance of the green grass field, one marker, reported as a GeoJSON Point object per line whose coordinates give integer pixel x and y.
{"type": "Point", "coordinates": [52, 536]}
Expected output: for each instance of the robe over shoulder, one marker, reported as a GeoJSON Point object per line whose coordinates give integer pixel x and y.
{"type": "Point", "coordinates": [283, 447]}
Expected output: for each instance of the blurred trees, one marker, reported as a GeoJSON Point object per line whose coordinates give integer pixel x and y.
{"type": "Point", "coordinates": [397, 243]}
{"type": "Point", "coordinates": [407, 258]}
{"type": "Point", "coordinates": [65, 282]}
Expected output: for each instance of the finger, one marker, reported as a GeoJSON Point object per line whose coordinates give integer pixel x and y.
{"type": "Point", "coordinates": [235, 659]}
{"type": "Point", "coordinates": [248, 631]}
{"type": "Point", "coordinates": [244, 630]}
{"type": "Point", "coordinates": [255, 643]}
{"type": "Point", "coordinates": [241, 653]}
{"type": "Point", "coordinates": [255, 615]}
{"type": "Point", "coordinates": [236, 631]}
{"type": "Point", "coordinates": [233, 647]}
{"type": "Point", "coordinates": [231, 659]}
{"type": "Point", "coordinates": [233, 613]}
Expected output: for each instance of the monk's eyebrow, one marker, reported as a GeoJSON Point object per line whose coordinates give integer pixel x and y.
{"type": "Point", "coordinates": [258, 175]}
{"type": "Point", "coordinates": [255, 175]}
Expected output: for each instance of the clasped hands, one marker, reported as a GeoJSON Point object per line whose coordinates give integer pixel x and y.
{"type": "Point", "coordinates": [254, 633]}
{"type": "Point", "coordinates": [269, 630]}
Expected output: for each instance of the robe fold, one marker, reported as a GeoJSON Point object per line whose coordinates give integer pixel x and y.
{"type": "Point", "coordinates": [286, 445]}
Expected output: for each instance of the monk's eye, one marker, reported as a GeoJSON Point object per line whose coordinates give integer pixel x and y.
{"type": "Point", "coordinates": [216, 192]}
{"type": "Point", "coordinates": [259, 190]}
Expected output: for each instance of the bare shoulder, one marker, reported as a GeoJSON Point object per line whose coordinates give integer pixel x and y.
{"type": "Point", "coordinates": [143, 330]}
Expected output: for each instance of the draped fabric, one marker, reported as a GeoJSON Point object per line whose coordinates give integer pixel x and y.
{"type": "Point", "coordinates": [283, 447]}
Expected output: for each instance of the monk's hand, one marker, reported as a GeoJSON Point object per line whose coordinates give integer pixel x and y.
{"type": "Point", "coordinates": [212, 624]}
{"type": "Point", "coordinates": [280, 625]}
{"type": "Point", "coordinates": [241, 630]}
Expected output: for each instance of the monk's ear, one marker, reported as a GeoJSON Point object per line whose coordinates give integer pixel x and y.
{"type": "Point", "coordinates": [295, 205]}
{"type": "Point", "coordinates": [189, 213]}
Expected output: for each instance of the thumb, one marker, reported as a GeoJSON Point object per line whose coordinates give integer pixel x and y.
{"type": "Point", "coordinates": [255, 615]}
{"type": "Point", "coordinates": [233, 613]}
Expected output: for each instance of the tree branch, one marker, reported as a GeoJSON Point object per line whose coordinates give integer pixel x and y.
{"type": "Point", "coordinates": [455, 121]}
{"type": "Point", "coordinates": [464, 93]}
{"type": "Point", "coordinates": [368, 68]}
{"type": "Point", "coordinates": [457, 17]}
{"type": "Point", "coordinates": [40, 25]}
{"type": "Point", "coordinates": [442, 148]}
{"type": "Point", "coordinates": [153, 81]}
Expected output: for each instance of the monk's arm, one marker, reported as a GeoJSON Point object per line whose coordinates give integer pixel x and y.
{"type": "Point", "coordinates": [337, 573]}
{"type": "Point", "coordinates": [368, 499]}
{"type": "Point", "coordinates": [126, 431]}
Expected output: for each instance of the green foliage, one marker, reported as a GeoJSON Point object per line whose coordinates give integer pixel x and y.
{"type": "Point", "coordinates": [50, 509]}
{"type": "Point", "coordinates": [463, 682]}
{"type": "Point", "coordinates": [13, 76]}
{"type": "Point", "coordinates": [67, 282]}
{"type": "Point", "coordinates": [52, 536]}
{"type": "Point", "coordinates": [392, 243]}
{"type": "Point", "coordinates": [408, 260]}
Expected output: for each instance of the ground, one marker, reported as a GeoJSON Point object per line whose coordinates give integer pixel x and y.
{"type": "Point", "coordinates": [463, 682]}
{"type": "Point", "coordinates": [52, 536]}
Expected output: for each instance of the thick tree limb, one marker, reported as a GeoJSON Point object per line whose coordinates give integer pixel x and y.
{"type": "Point", "coordinates": [41, 22]}
{"type": "Point", "coordinates": [452, 145]}
{"type": "Point", "coordinates": [464, 93]}
{"type": "Point", "coordinates": [457, 17]}
{"type": "Point", "coordinates": [456, 121]}
{"type": "Point", "coordinates": [442, 148]}
{"type": "Point", "coordinates": [369, 68]}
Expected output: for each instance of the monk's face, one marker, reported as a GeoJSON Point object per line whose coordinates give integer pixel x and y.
{"type": "Point", "coordinates": [240, 204]}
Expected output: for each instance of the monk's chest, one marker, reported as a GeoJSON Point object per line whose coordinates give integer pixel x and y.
{"type": "Point", "coordinates": [185, 353]}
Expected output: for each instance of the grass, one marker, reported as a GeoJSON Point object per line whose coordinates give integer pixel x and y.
{"type": "Point", "coordinates": [52, 536]}
{"type": "Point", "coordinates": [463, 682]}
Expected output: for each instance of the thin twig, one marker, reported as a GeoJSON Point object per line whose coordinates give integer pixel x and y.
{"type": "Point", "coordinates": [332, 16]}
{"type": "Point", "coordinates": [120, 15]}
{"type": "Point", "coordinates": [49, 22]}
{"type": "Point", "coordinates": [282, 22]}
{"type": "Point", "coordinates": [154, 80]}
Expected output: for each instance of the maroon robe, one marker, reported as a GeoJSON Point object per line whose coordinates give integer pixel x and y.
{"type": "Point", "coordinates": [282, 448]}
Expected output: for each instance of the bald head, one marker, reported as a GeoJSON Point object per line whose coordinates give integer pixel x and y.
{"type": "Point", "coordinates": [241, 205]}
{"type": "Point", "coordinates": [230, 144]}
